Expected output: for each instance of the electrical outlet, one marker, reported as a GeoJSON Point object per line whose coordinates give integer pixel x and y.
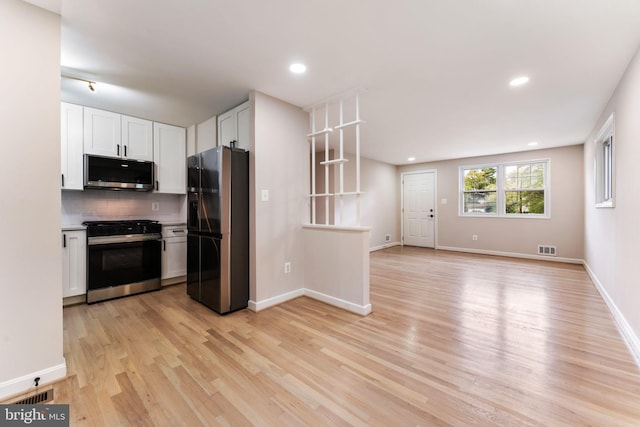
{"type": "Point", "coordinates": [387, 237]}
{"type": "Point", "coordinates": [474, 237]}
{"type": "Point", "coordinates": [155, 206]}
{"type": "Point", "coordinates": [287, 267]}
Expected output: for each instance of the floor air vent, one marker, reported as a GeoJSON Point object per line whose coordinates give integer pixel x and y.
{"type": "Point", "coordinates": [44, 397]}
{"type": "Point", "coordinates": [546, 250]}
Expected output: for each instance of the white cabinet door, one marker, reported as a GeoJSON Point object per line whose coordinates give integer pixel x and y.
{"type": "Point", "coordinates": [242, 126]}
{"type": "Point", "coordinates": [234, 126]}
{"type": "Point", "coordinates": [74, 261]}
{"type": "Point", "coordinates": [227, 130]}
{"type": "Point", "coordinates": [71, 146]}
{"type": "Point", "coordinates": [174, 252]}
{"type": "Point", "coordinates": [170, 156]}
{"type": "Point", "coordinates": [137, 138]}
{"type": "Point", "coordinates": [102, 133]}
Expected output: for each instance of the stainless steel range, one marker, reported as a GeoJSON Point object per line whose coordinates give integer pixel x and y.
{"type": "Point", "coordinates": [123, 258]}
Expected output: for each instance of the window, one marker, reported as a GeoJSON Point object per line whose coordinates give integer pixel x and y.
{"type": "Point", "coordinates": [479, 192]}
{"type": "Point", "coordinates": [506, 190]}
{"type": "Point", "coordinates": [524, 189]}
{"type": "Point", "coordinates": [604, 165]}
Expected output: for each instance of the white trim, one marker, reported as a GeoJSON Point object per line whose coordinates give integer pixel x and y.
{"type": "Point", "coordinates": [25, 384]}
{"type": "Point", "coordinates": [385, 246]}
{"type": "Point", "coordinates": [511, 254]}
{"type": "Point", "coordinates": [273, 301]}
{"type": "Point", "coordinates": [336, 227]}
{"type": "Point", "coordinates": [628, 335]}
{"type": "Point", "coordinates": [362, 310]}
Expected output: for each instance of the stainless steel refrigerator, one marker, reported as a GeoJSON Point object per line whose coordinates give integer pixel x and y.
{"type": "Point", "coordinates": [218, 225]}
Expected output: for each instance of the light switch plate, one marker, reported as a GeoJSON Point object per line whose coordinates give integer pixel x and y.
{"type": "Point", "coordinates": [264, 195]}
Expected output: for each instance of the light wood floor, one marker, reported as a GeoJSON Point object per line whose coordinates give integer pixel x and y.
{"type": "Point", "coordinates": [454, 339]}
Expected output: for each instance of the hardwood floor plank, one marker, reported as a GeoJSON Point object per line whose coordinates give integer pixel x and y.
{"type": "Point", "coordinates": [453, 340]}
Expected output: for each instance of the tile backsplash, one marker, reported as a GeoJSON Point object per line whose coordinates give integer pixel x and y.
{"type": "Point", "coordinates": [91, 205]}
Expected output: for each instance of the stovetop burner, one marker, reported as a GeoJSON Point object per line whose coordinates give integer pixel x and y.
{"type": "Point", "coordinates": [122, 227]}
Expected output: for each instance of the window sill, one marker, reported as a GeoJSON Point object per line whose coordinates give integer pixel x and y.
{"type": "Point", "coordinates": [513, 216]}
{"type": "Point", "coordinates": [608, 204]}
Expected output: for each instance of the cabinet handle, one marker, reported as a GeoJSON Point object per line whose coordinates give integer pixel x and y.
{"type": "Point", "coordinates": [118, 149]}
{"type": "Point", "coordinates": [63, 180]}
{"type": "Point", "coordinates": [125, 151]}
{"type": "Point", "coordinates": [157, 186]}
{"type": "Point", "coordinates": [165, 245]}
{"type": "Point", "coordinates": [64, 240]}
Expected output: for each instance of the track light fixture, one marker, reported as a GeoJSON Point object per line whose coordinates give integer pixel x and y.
{"type": "Point", "coordinates": [91, 84]}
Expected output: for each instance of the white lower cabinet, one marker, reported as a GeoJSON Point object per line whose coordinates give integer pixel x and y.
{"type": "Point", "coordinates": [174, 251]}
{"type": "Point", "coordinates": [74, 262]}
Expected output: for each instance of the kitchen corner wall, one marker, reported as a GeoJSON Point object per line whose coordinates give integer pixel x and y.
{"type": "Point", "coordinates": [279, 164]}
{"type": "Point", "coordinates": [91, 205]}
{"type": "Point", "coordinates": [31, 332]}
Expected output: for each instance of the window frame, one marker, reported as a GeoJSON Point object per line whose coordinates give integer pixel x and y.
{"type": "Point", "coordinates": [501, 190]}
{"type": "Point", "coordinates": [604, 165]}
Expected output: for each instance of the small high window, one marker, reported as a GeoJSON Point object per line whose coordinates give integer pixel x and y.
{"type": "Point", "coordinates": [604, 165]}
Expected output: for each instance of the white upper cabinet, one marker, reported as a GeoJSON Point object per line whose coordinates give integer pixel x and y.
{"type": "Point", "coordinates": [170, 156]}
{"type": "Point", "coordinates": [137, 138]}
{"type": "Point", "coordinates": [242, 126]}
{"type": "Point", "coordinates": [71, 146]}
{"type": "Point", "coordinates": [234, 126]}
{"type": "Point", "coordinates": [102, 133]}
{"type": "Point", "coordinates": [114, 135]}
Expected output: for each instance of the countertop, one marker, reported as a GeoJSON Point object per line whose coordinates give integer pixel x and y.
{"type": "Point", "coordinates": [80, 227]}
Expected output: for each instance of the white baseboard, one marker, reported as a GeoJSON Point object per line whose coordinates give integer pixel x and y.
{"type": "Point", "coordinates": [278, 299]}
{"type": "Point", "coordinates": [362, 310]}
{"type": "Point", "coordinates": [25, 384]}
{"type": "Point", "coordinates": [385, 246]}
{"type": "Point", "coordinates": [511, 254]}
{"type": "Point", "coordinates": [628, 335]}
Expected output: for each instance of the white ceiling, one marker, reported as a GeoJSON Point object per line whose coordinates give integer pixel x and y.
{"type": "Point", "coordinates": [435, 73]}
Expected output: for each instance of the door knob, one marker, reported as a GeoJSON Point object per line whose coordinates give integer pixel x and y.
{"type": "Point", "coordinates": [431, 216]}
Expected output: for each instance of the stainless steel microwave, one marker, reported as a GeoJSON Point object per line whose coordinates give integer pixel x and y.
{"type": "Point", "coordinates": [109, 173]}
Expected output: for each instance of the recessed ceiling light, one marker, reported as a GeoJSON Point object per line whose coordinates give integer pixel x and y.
{"type": "Point", "coordinates": [519, 81]}
{"type": "Point", "coordinates": [411, 159]}
{"type": "Point", "coordinates": [532, 143]}
{"type": "Point", "coordinates": [297, 68]}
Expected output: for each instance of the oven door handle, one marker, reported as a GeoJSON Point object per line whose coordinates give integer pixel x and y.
{"type": "Point", "coordinates": [126, 238]}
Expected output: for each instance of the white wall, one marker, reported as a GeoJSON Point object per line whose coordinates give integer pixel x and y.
{"type": "Point", "coordinates": [279, 163]}
{"type": "Point", "coordinates": [612, 234]}
{"type": "Point", "coordinates": [206, 134]}
{"type": "Point", "coordinates": [514, 236]}
{"type": "Point", "coordinates": [30, 254]}
{"type": "Point", "coordinates": [337, 267]}
{"type": "Point", "coordinates": [378, 203]}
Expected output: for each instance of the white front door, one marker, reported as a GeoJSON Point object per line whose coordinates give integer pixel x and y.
{"type": "Point", "coordinates": [418, 210]}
